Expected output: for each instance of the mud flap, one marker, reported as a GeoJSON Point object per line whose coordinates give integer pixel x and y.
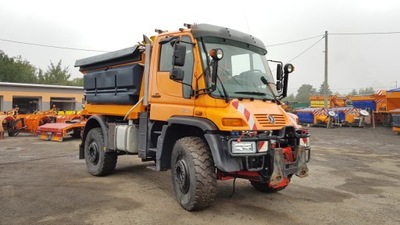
{"type": "Point", "coordinates": [277, 173]}
{"type": "Point", "coordinates": [302, 169]}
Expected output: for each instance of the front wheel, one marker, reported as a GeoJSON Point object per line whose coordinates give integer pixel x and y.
{"type": "Point", "coordinates": [98, 161]}
{"type": "Point", "coordinates": [193, 173]}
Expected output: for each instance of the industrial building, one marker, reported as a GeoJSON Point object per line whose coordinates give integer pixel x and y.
{"type": "Point", "coordinates": [39, 97]}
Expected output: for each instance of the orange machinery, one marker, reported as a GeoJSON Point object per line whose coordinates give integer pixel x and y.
{"type": "Point", "coordinates": [15, 123]}
{"type": "Point", "coordinates": [380, 103]}
{"type": "Point", "coordinates": [169, 100]}
{"type": "Point", "coordinates": [317, 101]}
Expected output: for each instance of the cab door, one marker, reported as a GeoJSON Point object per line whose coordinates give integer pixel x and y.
{"type": "Point", "coordinates": [168, 97]}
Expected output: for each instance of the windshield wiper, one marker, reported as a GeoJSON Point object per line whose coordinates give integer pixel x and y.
{"type": "Point", "coordinates": [251, 93]}
{"type": "Point", "coordinates": [265, 81]}
{"type": "Point", "coordinates": [224, 90]}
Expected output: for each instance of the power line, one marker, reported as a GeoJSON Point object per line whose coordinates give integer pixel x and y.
{"type": "Point", "coordinates": [366, 33]}
{"type": "Point", "coordinates": [290, 42]}
{"type": "Point", "coordinates": [306, 50]}
{"type": "Point", "coordinates": [338, 33]}
{"type": "Point", "coordinates": [52, 46]}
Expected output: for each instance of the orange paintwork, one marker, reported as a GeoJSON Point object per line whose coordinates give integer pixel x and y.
{"type": "Point", "coordinates": [392, 100]}
{"type": "Point", "coordinates": [111, 110]}
{"type": "Point", "coordinates": [396, 129]}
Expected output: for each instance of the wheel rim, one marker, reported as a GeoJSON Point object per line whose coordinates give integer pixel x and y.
{"type": "Point", "coordinates": [182, 176]}
{"type": "Point", "coordinates": [93, 153]}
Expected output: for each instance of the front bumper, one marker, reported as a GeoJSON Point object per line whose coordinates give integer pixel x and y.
{"type": "Point", "coordinates": [287, 150]}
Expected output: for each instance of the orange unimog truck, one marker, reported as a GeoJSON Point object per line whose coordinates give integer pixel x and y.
{"type": "Point", "coordinates": [200, 101]}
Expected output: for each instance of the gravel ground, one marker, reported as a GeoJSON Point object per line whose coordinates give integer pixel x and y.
{"type": "Point", "coordinates": [354, 179]}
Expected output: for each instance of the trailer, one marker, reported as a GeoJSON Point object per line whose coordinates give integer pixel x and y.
{"type": "Point", "coordinates": [318, 117]}
{"type": "Point", "coordinates": [333, 117]}
{"type": "Point", "coordinates": [59, 131]}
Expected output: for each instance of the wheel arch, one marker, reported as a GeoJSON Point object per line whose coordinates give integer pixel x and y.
{"type": "Point", "coordinates": [176, 128]}
{"type": "Point", "coordinates": [93, 122]}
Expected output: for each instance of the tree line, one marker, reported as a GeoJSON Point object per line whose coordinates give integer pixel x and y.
{"type": "Point", "coordinates": [306, 90]}
{"type": "Point", "coordinates": [18, 70]}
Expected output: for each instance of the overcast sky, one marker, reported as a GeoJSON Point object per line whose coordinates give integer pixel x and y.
{"type": "Point", "coordinates": [355, 61]}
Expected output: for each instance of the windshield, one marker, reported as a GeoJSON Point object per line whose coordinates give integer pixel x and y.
{"type": "Point", "coordinates": [240, 71]}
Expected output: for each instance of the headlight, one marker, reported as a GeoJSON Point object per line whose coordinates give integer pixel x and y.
{"type": "Point", "coordinates": [243, 147]}
{"type": "Point", "coordinates": [217, 53]}
{"type": "Point", "coordinates": [288, 68]}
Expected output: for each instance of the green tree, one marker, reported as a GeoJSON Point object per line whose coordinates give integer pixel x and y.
{"type": "Point", "coordinates": [40, 76]}
{"type": "Point", "coordinates": [304, 92]}
{"type": "Point", "coordinates": [289, 98]}
{"type": "Point", "coordinates": [353, 92]}
{"type": "Point", "coordinates": [366, 91]}
{"type": "Point", "coordinates": [55, 75]}
{"type": "Point", "coordinates": [15, 69]}
{"type": "Point", "coordinates": [321, 90]}
{"type": "Point", "coordinates": [77, 82]}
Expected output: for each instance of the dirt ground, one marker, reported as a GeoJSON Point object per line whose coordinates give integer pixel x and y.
{"type": "Point", "coordinates": [354, 179]}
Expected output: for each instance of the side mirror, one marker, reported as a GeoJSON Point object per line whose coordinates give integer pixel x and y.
{"type": "Point", "coordinates": [177, 74]}
{"type": "Point", "coordinates": [178, 58]}
{"type": "Point", "coordinates": [279, 72]}
{"type": "Point", "coordinates": [278, 85]}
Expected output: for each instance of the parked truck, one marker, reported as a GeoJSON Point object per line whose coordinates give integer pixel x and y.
{"type": "Point", "coordinates": [381, 104]}
{"type": "Point", "coordinates": [200, 101]}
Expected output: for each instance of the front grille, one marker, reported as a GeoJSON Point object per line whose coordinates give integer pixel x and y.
{"type": "Point", "coordinates": [263, 120]}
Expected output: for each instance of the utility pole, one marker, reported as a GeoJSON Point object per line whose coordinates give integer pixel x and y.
{"type": "Point", "coordinates": [326, 72]}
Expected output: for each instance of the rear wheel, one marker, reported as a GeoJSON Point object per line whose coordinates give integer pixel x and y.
{"type": "Point", "coordinates": [98, 161]}
{"type": "Point", "coordinates": [264, 187]}
{"type": "Point", "coordinates": [193, 173]}
{"type": "Point", "coordinates": [76, 133]}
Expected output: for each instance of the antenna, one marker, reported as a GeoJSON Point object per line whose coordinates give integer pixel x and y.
{"type": "Point", "coordinates": [245, 19]}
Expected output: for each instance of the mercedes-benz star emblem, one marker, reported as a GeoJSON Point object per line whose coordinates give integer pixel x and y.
{"type": "Point", "coordinates": [271, 119]}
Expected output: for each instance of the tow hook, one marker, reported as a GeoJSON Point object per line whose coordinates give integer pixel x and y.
{"type": "Point", "coordinates": [302, 169]}
{"type": "Point", "coordinates": [277, 173]}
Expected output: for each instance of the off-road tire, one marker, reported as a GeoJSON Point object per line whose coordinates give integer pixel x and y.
{"type": "Point", "coordinates": [76, 133]}
{"type": "Point", "coordinates": [98, 161]}
{"type": "Point", "coordinates": [193, 173]}
{"type": "Point", "coordinates": [264, 187]}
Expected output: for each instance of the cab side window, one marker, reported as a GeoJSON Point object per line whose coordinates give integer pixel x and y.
{"type": "Point", "coordinates": [166, 57]}
{"type": "Point", "coordinates": [166, 63]}
{"type": "Point", "coordinates": [188, 67]}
